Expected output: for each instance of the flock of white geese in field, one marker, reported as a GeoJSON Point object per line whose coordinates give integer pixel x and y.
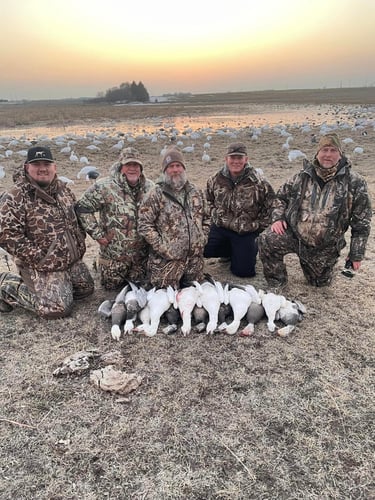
{"type": "Point", "coordinates": [190, 141]}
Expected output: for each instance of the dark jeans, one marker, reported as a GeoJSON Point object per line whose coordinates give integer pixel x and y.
{"type": "Point", "coordinates": [241, 248]}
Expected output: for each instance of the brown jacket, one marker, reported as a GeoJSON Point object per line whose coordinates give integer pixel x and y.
{"type": "Point", "coordinates": [243, 205]}
{"type": "Point", "coordinates": [39, 228]}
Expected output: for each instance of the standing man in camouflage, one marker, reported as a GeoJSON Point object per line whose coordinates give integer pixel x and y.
{"type": "Point", "coordinates": [116, 199]}
{"type": "Point", "coordinates": [39, 228]}
{"type": "Point", "coordinates": [312, 212]}
{"type": "Point", "coordinates": [240, 200]}
{"type": "Point", "coordinates": [173, 220]}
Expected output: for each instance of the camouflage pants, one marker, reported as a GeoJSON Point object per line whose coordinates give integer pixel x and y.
{"type": "Point", "coordinates": [50, 295]}
{"type": "Point", "coordinates": [115, 274]}
{"type": "Point", "coordinates": [162, 272]}
{"type": "Point", "coordinates": [317, 264]}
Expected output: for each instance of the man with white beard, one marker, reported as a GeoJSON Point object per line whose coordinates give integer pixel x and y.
{"type": "Point", "coordinates": [174, 220]}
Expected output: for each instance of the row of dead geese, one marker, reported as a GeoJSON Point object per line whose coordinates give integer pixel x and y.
{"type": "Point", "coordinates": [210, 306]}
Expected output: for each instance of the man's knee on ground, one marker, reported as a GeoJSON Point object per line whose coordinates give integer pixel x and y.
{"type": "Point", "coordinates": [82, 293]}
{"type": "Point", "coordinates": [56, 312]}
{"type": "Point", "coordinates": [243, 274]}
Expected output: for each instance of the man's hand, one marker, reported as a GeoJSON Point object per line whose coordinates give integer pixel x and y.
{"type": "Point", "coordinates": [279, 227]}
{"type": "Point", "coordinates": [103, 241]}
{"type": "Point", "coordinates": [356, 265]}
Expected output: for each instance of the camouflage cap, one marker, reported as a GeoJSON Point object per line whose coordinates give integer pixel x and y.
{"type": "Point", "coordinates": [171, 155]}
{"type": "Point", "coordinates": [130, 155]}
{"type": "Point", "coordinates": [330, 139]}
{"type": "Point", "coordinates": [237, 148]}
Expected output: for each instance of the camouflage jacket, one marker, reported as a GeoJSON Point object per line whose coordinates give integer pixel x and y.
{"type": "Point", "coordinates": [116, 205]}
{"type": "Point", "coordinates": [242, 205]}
{"type": "Point", "coordinates": [174, 228]}
{"type": "Point", "coordinates": [320, 213]}
{"type": "Point", "coordinates": [39, 227]}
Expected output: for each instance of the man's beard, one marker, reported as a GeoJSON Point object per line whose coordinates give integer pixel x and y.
{"type": "Point", "coordinates": [43, 184]}
{"type": "Point", "coordinates": [177, 182]}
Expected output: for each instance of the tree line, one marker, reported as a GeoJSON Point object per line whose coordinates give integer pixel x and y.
{"type": "Point", "coordinates": [126, 92]}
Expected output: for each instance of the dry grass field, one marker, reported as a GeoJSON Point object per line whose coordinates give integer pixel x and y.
{"type": "Point", "coordinates": [215, 417]}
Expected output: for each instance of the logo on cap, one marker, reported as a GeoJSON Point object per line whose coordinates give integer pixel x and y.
{"type": "Point", "coordinates": [38, 153]}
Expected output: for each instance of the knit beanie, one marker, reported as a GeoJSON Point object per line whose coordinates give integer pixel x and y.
{"type": "Point", "coordinates": [171, 155]}
{"type": "Point", "coordinates": [330, 139]}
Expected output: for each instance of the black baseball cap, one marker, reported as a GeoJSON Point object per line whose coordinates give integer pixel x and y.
{"type": "Point", "coordinates": [39, 153]}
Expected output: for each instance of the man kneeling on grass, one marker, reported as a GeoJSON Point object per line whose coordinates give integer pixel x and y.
{"type": "Point", "coordinates": [312, 212]}
{"type": "Point", "coordinates": [40, 229]}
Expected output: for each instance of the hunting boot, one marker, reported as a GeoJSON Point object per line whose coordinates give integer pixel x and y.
{"type": "Point", "coordinates": [13, 291]}
{"type": "Point", "coordinates": [5, 307]}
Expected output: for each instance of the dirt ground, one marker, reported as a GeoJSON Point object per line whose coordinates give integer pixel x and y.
{"type": "Point", "coordinates": [215, 417]}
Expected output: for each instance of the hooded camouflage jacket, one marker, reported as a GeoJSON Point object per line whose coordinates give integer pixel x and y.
{"type": "Point", "coordinates": [242, 205]}
{"type": "Point", "coordinates": [174, 228]}
{"type": "Point", "coordinates": [320, 213]}
{"type": "Point", "coordinates": [39, 227]}
{"type": "Point", "coordinates": [117, 206]}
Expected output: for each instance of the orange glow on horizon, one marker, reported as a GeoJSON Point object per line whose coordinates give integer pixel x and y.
{"type": "Point", "coordinates": [187, 48]}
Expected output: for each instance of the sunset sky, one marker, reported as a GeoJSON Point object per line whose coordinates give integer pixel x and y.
{"type": "Point", "coordinates": [74, 48]}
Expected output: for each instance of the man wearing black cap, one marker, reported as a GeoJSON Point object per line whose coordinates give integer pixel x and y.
{"type": "Point", "coordinates": [312, 212]}
{"type": "Point", "coordinates": [240, 201]}
{"type": "Point", "coordinates": [39, 228]}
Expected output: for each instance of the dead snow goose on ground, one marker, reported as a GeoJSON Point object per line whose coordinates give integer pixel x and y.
{"type": "Point", "coordinates": [123, 310]}
{"type": "Point", "coordinates": [271, 303]}
{"type": "Point", "coordinates": [158, 303]}
{"type": "Point", "coordinates": [135, 300]}
{"type": "Point", "coordinates": [118, 313]}
{"type": "Point", "coordinates": [239, 299]}
{"type": "Point", "coordinates": [211, 295]}
{"type": "Point", "coordinates": [186, 299]}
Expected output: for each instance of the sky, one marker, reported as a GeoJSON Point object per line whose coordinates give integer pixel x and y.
{"type": "Point", "coordinates": [52, 49]}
